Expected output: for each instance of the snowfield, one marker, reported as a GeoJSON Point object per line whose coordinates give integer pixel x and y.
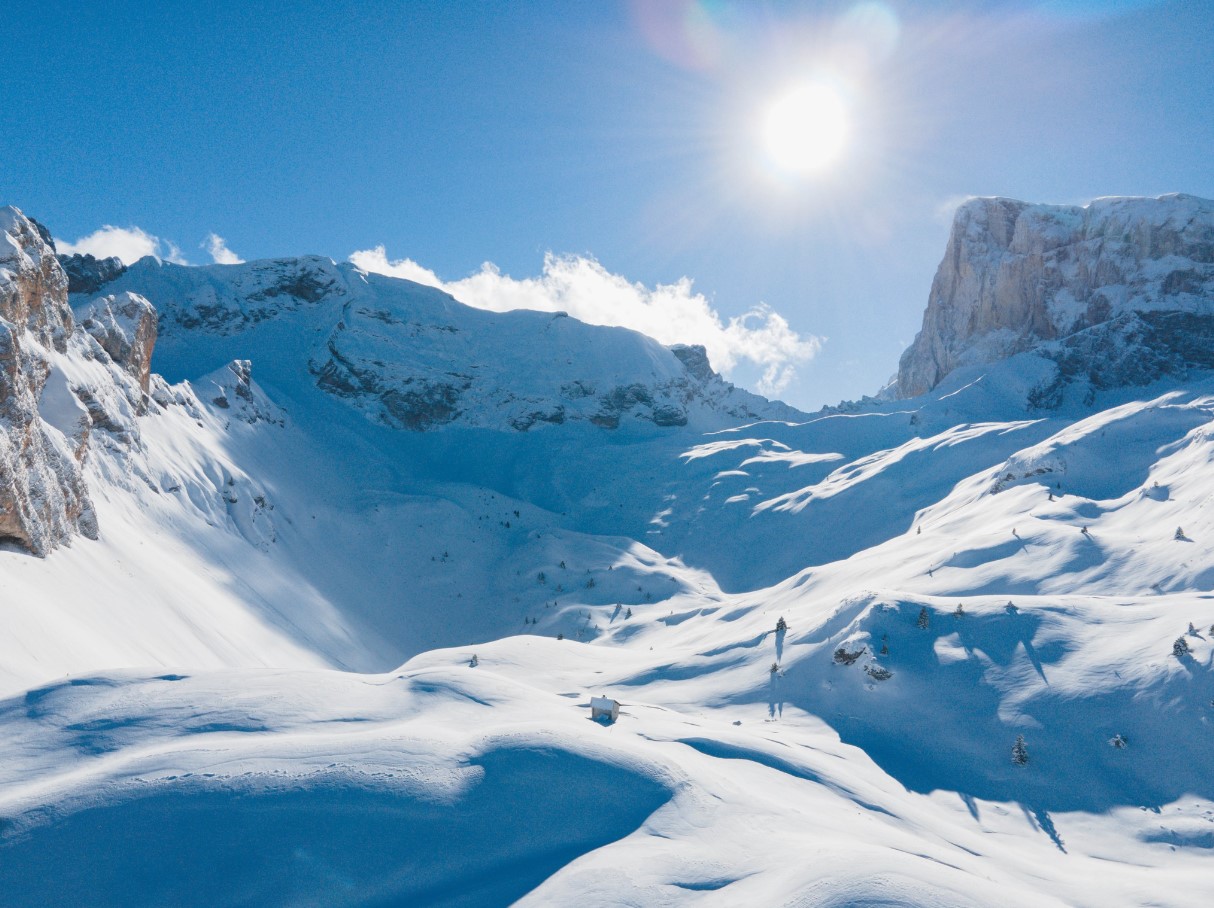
{"type": "Point", "coordinates": [317, 656]}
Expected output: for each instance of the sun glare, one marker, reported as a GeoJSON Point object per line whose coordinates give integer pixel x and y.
{"type": "Point", "coordinates": [806, 129]}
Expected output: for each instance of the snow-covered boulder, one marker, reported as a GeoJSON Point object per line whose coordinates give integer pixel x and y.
{"type": "Point", "coordinates": [1129, 271]}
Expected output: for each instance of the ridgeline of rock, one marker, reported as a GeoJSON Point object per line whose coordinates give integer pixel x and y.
{"type": "Point", "coordinates": [60, 382]}
{"type": "Point", "coordinates": [1118, 292]}
{"type": "Point", "coordinates": [88, 274]}
{"type": "Point", "coordinates": [412, 357]}
{"type": "Point", "coordinates": [43, 499]}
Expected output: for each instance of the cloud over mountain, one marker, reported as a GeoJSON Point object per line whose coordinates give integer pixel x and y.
{"type": "Point", "coordinates": [127, 243]}
{"type": "Point", "coordinates": [217, 247]}
{"type": "Point", "coordinates": [671, 313]}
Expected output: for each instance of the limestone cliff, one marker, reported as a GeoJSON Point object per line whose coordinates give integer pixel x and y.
{"type": "Point", "coordinates": [1015, 275]}
{"type": "Point", "coordinates": [125, 326]}
{"type": "Point", "coordinates": [61, 383]}
{"type": "Point", "coordinates": [42, 495]}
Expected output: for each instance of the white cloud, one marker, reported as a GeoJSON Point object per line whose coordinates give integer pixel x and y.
{"type": "Point", "coordinates": [218, 249]}
{"type": "Point", "coordinates": [946, 208]}
{"type": "Point", "coordinates": [670, 313]}
{"type": "Point", "coordinates": [127, 243]}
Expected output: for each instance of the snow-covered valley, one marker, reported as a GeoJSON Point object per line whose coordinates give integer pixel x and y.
{"type": "Point", "coordinates": [311, 613]}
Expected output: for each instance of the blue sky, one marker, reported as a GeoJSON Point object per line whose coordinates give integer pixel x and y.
{"type": "Point", "coordinates": [454, 134]}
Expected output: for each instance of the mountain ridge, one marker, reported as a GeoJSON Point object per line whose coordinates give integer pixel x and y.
{"type": "Point", "coordinates": [399, 351]}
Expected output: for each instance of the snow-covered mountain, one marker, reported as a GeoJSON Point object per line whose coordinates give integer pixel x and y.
{"type": "Point", "coordinates": [413, 357]}
{"type": "Point", "coordinates": [362, 555]}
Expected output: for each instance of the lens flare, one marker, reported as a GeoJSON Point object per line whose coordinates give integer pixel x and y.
{"type": "Point", "coordinates": [806, 129]}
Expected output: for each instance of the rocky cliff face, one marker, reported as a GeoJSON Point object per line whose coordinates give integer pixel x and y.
{"type": "Point", "coordinates": [125, 326]}
{"type": "Point", "coordinates": [1016, 276]}
{"type": "Point", "coordinates": [42, 495]}
{"type": "Point", "coordinates": [88, 274]}
{"type": "Point", "coordinates": [61, 385]}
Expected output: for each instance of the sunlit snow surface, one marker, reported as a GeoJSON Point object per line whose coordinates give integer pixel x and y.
{"type": "Point", "coordinates": [257, 687]}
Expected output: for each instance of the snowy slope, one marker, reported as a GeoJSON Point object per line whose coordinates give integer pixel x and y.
{"type": "Point", "coordinates": [215, 684]}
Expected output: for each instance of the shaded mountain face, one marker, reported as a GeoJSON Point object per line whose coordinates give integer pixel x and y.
{"type": "Point", "coordinates": [1116, 293]}
{"type": "Point", "coordinates": [412, 357]}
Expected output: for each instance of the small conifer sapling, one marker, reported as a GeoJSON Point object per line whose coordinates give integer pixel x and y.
{"type": "Point", "coordinates": [1020, 753]}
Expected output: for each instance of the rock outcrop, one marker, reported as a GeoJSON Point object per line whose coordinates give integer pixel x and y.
{"type": "Point", "coordinates": [68, 383]}
{"type": "Point", "coordinates": [1017, 276]}
{"type": "Point", "coordinates": [434, 367]}
{"type": "Point", "coordinates": [88, 274]}
{"type": "Point", "coordinates": [43, 499]}
{"type": "Point", "coordinates": [125, 326]}
{"type": "Point", "coordinates": [232, 389]}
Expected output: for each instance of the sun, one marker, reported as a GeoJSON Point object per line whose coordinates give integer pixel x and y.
{"type": "Point", "coordinates": [805, 130]}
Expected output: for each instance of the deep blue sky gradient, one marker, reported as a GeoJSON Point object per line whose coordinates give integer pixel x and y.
{"type": "Point", "coordinates": [456, 133]}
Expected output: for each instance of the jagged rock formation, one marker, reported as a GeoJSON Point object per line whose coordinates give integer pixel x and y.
{"type": "Point", "coordinates": [1092, 279]}
{"type": "Point", "coordinates": [414, 358]}
{"type": "Point", "coordinates": [43, 499]}
{"type": "Point", "coordinates": [232, 389]}
{"type": "Point", "coordinates": [87, 274]}
{"type": "Point", "coordinates": [67, 383]}
{"type": "Point", "coordinates": [125, 326]}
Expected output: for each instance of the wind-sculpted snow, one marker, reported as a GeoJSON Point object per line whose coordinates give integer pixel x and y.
{"type": "Point", "coordinates": [954, 650]}
{"type": "Point", "coordinates": [1068, 673]}
{"type": "Point", "coordinates": [447, 826]}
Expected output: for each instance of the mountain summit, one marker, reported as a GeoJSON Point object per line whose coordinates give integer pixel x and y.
{"type": "Point", "coordinates": [1123, 287]}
